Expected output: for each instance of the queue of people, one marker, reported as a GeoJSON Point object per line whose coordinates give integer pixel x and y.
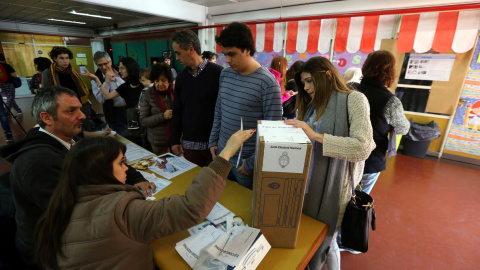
{"type": "Point", "coordinates": [81, 190]}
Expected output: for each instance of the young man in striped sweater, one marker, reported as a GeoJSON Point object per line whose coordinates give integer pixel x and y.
{"type": "Point", "coordinates": [248, 92]}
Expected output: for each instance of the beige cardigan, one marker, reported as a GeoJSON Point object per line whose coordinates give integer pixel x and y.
{"type": "Point", "coordinates": [357, 150]}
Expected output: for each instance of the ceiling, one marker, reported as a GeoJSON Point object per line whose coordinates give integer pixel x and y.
{"type": "Point", "coordinates": [149, 15]}
{"type": "Point", "coordinates": [39, 11]}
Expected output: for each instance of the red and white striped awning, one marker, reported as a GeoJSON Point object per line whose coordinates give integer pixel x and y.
{"type": "Point", "coordinates": [439, 31]}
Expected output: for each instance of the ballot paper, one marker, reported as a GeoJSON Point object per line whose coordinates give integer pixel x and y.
{"type": "Point", "coordinates": [232, 246]}
{"type": "Point", "coordinates": [160, 184]}
{"type": "Point", "coordinates": [189, 249]}
{"type": "Point", "coordinates": [241, 146]}
{"type": "Point", "coordinates": [137, 154]}
{"type": "Point", "coordinates": [170, 165]}
{"type": "Point", "coordinates": [219, 214]}
{"type": "Point", "coordinates": [278, 131]}
{"type": "Point", "coordinates": [198, 228]}
{"type": "Point", "coordinates": [132, 147]}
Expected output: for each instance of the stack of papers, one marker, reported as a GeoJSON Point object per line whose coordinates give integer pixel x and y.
{"type": "Point", "coordinates": [219, 214]}
{"type": "Point", "coordinates": [135, 152]}
{"type": "Point", "coordinates": [189, 249]}
{"type": "Point", "coordinates": [230, 248]}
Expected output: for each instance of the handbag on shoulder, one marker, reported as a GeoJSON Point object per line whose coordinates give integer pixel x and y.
{"type": "Point", "coordinates": [17, 82]}
{"type": "Point", "coordinates": [359, 216]}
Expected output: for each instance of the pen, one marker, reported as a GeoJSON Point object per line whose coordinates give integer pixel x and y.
{"type": "Point", "coordinates": [229, 235]}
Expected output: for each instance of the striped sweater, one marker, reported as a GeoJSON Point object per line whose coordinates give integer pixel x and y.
{"type": "Point", "coordinates": [252, 97]}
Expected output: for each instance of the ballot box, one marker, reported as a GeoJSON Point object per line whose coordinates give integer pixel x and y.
{"type": "Point", "coordinates": [282, 160]}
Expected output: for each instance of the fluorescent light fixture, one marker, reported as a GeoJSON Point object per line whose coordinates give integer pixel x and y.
{"type": "Point", "coordinates": [67, 21]}
{"type": "Point", "coordinates": [90, 15]}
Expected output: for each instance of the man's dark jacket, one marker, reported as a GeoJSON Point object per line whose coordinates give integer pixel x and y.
{"type": "Point", "coordinates": [37, 167]}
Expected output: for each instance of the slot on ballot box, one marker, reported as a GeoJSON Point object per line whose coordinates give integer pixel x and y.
{"type": "Point", "coordinates": [282, 160]}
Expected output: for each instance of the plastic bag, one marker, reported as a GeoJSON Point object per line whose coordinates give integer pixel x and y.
{"type": "Point", "coordinates": [206, 262]}
{"type": "Point", "coordinates": [423, 132]}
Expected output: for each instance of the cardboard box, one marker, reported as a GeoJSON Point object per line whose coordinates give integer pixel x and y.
{"type": "Point", "coordinates": [282, 160]}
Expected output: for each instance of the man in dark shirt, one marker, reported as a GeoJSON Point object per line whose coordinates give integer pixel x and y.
{"type": "Point", "coordinates": [37, 161]}
{"type": "Point", "coordinates": [196, 90]}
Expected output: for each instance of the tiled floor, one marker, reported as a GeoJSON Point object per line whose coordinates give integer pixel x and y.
{"type": "Point", "coordinates": [428, 212]}
{"type": "Point", "coordinates": [427, 218]}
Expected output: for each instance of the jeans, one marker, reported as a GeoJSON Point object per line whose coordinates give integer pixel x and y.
{"type": "Point", "coordinates": [368, 181]}
{"type": "Point", "coordinates": [243, 180]}
{"type": "Point", "coordinates": [4, 119]}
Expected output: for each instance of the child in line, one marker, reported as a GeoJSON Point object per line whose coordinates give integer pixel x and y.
{"type": "Point", "coordinates": [145, 81]}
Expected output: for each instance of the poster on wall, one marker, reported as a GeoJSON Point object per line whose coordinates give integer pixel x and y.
{"type": "Point", "coordinates": [464, 134]}
{"type": "Point", "coordinates": [433, 67]}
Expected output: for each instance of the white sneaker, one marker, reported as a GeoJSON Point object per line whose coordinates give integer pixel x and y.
{"type": "Point", "coordinates": [349, 250]}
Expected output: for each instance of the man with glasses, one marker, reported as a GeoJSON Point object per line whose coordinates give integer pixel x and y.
{"type": "Point", "coordinates": [114, 109]}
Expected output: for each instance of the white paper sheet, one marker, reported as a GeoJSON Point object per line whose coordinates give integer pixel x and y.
{"type": "Point", "coordinates": [231, 247]}
{"type": "Point", "coordinates": [189, 249]}
{"type": "Point", "coordinates": [219, 214]}
{"type": "Point", "coordinates": [160, 183]}
{"type": "Point", "coordinates": [197, 229]}
{"type": "Point", "coordinates": [132, 147]}
{"type": "Point", "coordinates": [284, 157]}
{"type": "Point", "coordinates": [278, 131]}
{"type": "Point", "coordinates": [137, 154]}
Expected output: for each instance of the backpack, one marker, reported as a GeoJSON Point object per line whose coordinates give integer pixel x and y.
{"type": "Point", "coordinates": [3, 74]}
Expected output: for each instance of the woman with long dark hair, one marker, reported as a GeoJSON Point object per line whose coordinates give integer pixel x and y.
{"type": "Point", "coordinates": [336, 120]}
{"type": "Point", "coordinates": [96, 221]}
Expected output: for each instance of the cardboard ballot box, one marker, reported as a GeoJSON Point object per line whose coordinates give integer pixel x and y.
{"type": "Point", "coordinates": [282, 160]}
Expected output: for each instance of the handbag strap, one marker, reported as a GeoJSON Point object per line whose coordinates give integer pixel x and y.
{"type": "Point", "coordinates": [350, 164]}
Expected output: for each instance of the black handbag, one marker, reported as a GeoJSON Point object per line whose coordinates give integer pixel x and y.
{"type": "Point", "coordinates": [17, 82]}
{"type": "Point", "coordinates": [358, 218]}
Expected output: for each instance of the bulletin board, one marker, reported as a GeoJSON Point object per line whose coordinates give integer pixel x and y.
{"type": "Point", "coordinates": [464, 133]}
{"type": "Point", "coordinates": [443, 95]}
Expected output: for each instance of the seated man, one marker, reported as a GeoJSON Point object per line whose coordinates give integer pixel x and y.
{"type": "Point", "coordinates": [37, 160]}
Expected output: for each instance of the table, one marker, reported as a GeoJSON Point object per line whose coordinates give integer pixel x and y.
{"type": "Point", "coordinates": [238, 199]}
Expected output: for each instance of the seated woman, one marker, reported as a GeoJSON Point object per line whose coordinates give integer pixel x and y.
{"type": "Point", "coordinates": [337, 121]}
{"type": "Point", "coordinates": [156, 108]}
{"type": "Point", "coordinates": [96, 221]}
{"type": "Point", "coordinates": [40, 64]}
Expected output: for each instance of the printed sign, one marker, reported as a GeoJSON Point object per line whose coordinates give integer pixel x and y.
{"type": "Point", "coordinates": [284, 157]}
{"type": "Point", "coordinates": [433, 67]}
